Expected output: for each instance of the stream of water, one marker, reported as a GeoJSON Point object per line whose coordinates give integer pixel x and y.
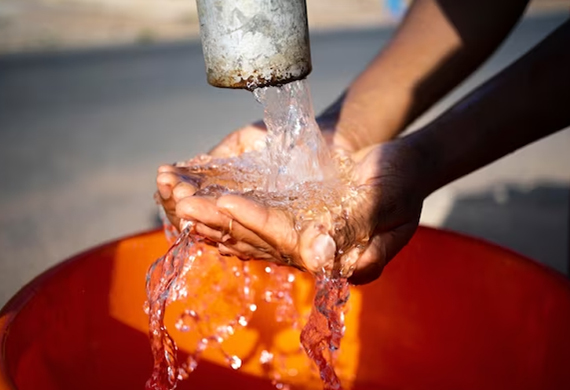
{"type": "Point", "coordinates": [295, 173]}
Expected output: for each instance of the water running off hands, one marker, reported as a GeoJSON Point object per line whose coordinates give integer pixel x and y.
{"type": "Point", "coordinates": [296, 173]}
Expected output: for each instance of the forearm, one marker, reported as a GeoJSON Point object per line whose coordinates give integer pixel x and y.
{"type": "Point", "coordinates": [439, 43]}
{"type": "Point", "coordinates": [527, 101]}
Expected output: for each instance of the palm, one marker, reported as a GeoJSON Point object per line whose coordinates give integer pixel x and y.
{"type": "Point", "coordinates": [387, 212]}
{"type": "Point", "coordinates": [171, 183]}
{"type": "Point", "coordinates": [246, 139]}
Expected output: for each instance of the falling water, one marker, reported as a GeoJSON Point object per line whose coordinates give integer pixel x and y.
{"type": "Point", "coordinates": [296, 173]}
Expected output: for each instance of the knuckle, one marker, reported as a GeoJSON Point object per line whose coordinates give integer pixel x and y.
{"type": "Point", "coordinates": [182, 191]}
{"type": "Point", "coordinates": [165, 168]}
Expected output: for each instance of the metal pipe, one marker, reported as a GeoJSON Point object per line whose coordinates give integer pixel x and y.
{"type": "Point", "coordinates": [254, 43]}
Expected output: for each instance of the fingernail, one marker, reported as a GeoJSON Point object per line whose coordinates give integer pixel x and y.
{"type": "Point", "coordinates": [324, 249]}
{"type": "Point", "coordinates": [165, 191]}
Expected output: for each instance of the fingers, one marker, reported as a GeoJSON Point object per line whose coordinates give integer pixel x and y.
{"type": "Point", "coordinates": [246, 251]}
{"type": "Point", "coordinates": [317, 248]}
{"type": "Point", "coordinates": [202, 209]}
{"type": "Point", "coordinates": [274, 226]}
{"type": "Point", "coordinates": [371, 263]}
{"type": "Point", "coordinates": [382, 248]}
{"type": "Point", "coordinates": [244, 140]}
{"type": "Point", "coordinates": [312, 249]}
{"type": "Point", "coordinates": [171, 188]}
{"type": "Point", "coordinates": [172, 183]}
{"type": "Point", "coordinates": [207, 232]}
{"type": "Point", "coordinates": [221, 228]}
{"type": "Point", "coordinates": [274, 231]}
{"type": "Point", "coordinates": [166, 180]}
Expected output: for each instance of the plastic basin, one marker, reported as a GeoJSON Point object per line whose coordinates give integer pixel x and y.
{"type": "Point", "coordinates": [450, 312]}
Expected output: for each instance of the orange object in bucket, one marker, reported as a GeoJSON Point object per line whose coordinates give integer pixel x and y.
{"type": "Point", "coordinates": [450, 312]}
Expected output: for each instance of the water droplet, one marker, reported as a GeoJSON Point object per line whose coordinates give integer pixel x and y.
{"type": "Point", "coordinates": [242, 321]}
{"type": "Point", "coordinates": [182, 374]}
{"type": "Point", "coordinates": [202, 345]}
{"type": "Point", "coordinates": [235, 362]}
{"type": "Point", "coordinates": [266, 357]}
{"type": "Point", "coordinates": [181, 326]}
{"type": "Point", "coordinates": [268, 269]}
{"type": "Point", "coordinates": [290, 278]}
{"type": "Point", "coordinates": [253, 307]}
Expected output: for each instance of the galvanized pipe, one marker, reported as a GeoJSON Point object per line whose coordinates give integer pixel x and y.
{"type": "Point", "coordinates": [254, 43]}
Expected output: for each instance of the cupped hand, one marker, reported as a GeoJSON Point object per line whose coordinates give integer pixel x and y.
{"type": "Point", "coordinates": [390, 209]}
{"type": "Point", "coordinates": [172, 182]}
{"type": "Point", "coordinates": [382, 219]}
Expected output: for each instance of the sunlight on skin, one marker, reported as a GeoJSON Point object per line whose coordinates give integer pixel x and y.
{"type": "Point", "coordinates": [245, 228]}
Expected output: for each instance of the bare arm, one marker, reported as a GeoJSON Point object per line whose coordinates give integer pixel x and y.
{"type": "Point", "coordinates": [439, 43]}
{"type": "Point", "coordinates": [525, 102]}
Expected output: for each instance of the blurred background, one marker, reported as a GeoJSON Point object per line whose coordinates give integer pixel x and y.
{"type": "Point", "coordinates": [96, 94]}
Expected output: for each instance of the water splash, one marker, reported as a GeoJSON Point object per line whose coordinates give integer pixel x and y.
{"type": "Point", "coordinates": [323, 332]}
{"type": "Point", "coordinates": [294, 172]}
{"type": "Point", "coordinates": [194, 273]}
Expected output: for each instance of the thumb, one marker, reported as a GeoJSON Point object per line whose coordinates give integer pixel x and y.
{"type": "Point", "coordinates": [317, 248]}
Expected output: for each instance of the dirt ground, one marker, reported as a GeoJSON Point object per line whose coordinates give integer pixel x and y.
{"type": "Point", "coordinates": [40, 25]}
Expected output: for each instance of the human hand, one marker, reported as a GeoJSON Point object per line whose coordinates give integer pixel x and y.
{"type": "Point", "coordinates": [382, 218]}
{"type": "Point", "coordinates": [390, 212]}
{"type": "Point", "coordinates": [172, 183]}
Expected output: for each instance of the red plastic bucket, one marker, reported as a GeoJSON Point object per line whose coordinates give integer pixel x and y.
{"type": "Point", "coordinates": [450, 312]}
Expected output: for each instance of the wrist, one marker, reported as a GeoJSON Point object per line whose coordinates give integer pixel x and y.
{"type": "Point", "coordinates": [363, 118]}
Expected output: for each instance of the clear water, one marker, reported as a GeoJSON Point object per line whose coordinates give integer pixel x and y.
{"type": "Point", "coordinates": [323, 332]}
{"type": "Point", "coordinates": [296, 173]}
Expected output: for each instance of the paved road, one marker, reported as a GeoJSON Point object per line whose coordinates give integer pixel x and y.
{"type": "Point", "coordinates": [82, 133]}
